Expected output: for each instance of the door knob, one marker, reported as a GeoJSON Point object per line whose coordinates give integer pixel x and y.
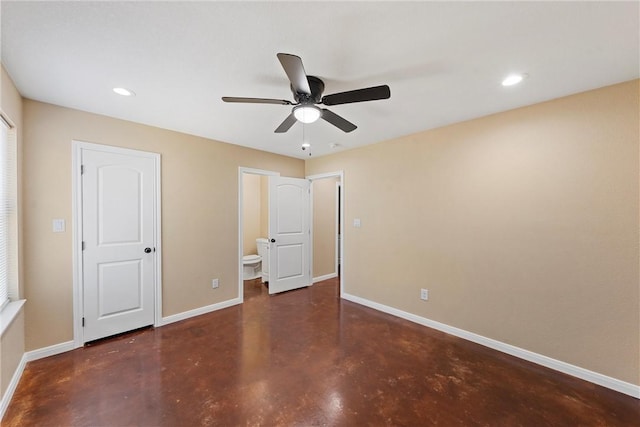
{"type": "Point", "coordinates": [147, 250]}
{"type": "Point", "coordinates": [273, 240]}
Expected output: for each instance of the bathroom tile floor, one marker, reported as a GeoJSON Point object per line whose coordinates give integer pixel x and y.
{"type": "Point", "coordinates": [303, 358]}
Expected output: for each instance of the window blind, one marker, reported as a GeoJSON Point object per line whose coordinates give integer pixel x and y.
{"type": "Point", "coordinates": [8, 218]}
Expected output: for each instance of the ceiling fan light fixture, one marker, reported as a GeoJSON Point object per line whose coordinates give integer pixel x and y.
{"type": "Point", "coordinates": [306, 113]}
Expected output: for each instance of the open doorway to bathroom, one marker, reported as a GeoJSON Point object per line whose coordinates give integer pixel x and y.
{"type": "Point", "coordinates": [327, 219]}
{"type": "Point", "coordinates": [254, 193]}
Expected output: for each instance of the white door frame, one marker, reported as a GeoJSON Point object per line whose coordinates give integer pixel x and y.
{"type": "Point", "coordinates": [76, 195]}
{"type": "Point", "coordinates": [336, 174]}
{"type": "Point", "coordinates": [241, 172]}
{"type": "Point", "coordinates": [339, 225]}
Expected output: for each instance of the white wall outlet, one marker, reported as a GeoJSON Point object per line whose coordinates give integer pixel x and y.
{"type": "Point", "coordinates": [215, 283]}
{"type": "Point", "coordinates": [424, 294]}
{"type": "Point", "coordinates": [357, 223]}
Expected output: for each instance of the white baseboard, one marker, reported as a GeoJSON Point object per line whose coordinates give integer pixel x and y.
{"type": "Point", "coordinates": [70, 345]}
{"type": "Point", "coordinates": [52, 350]}
{"type": "Point", "coordinates": [325, 277]}
{"type": "Point", "coordinates": [557, 365]}
{"type": "Point", "coordinates": [28, 357]}
{"type": "Point", "coordinates": [11, 388]}
{"type": "Point", "coordinates": [198, 311]}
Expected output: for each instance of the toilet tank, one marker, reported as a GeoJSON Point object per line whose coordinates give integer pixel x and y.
{"type": "Point", "coordinates": [263, 246]}
{"type": "Point", "coordinates": [263, 251]}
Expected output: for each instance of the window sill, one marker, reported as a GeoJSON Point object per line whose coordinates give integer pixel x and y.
{"type": "Point", "coordinates": [9, 313]}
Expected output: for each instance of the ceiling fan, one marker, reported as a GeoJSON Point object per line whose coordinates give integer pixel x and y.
{"type": "Point", "coordinates": [307, 92]}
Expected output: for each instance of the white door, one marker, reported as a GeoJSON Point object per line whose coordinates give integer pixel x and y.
{"type": "Point", "coordinates": [289, 234]}
{"type": "Point", "coordinates": [118, 214]}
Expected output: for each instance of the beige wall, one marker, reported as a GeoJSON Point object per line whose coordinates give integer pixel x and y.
{"type": "Point", "coordinates": [324, 226]}
{"type": "Point", "coordinates": [12, 340]}
{"type": "Point", "coordinates": [251, 212]}
{"type": "Point", "coordinates": [199, 212]}
{"type": "Point", "coordinates": [523, 225]}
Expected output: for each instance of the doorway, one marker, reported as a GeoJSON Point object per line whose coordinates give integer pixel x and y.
{"type": "Point", "coordinates": [328, 219]}
{"type": "Point", "coordinates": [253, 224]}
{"type": "Point", "coordinates": [334, 180]}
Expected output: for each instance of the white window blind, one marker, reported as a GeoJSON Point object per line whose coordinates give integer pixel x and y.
{"type": "Point", "coordinates": [8, 213]}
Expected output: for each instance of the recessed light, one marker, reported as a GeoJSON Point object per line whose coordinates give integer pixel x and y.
{"type": "Point", "coordinates": [513, 79]}
{"type": "Point", "coordinates": [123, 91]}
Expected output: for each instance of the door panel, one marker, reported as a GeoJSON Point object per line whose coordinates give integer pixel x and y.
{"type": "Point", "coordinates": [290, 261]}
{"type": "Point", "coordinates": [119, 287]}
{"type": "Point", "coordinates": [119, 222]}
{"type": "Point", "coordinates": [289, 255]}
{"type": "Point", "coordinates": [118, 215]}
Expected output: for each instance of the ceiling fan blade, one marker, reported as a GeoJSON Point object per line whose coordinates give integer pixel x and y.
{"type": "Point", "coordinates": [338, 121]}
{"type": "Point", "coordinates": [256, 100]}
{"type": "Point", "coordinates": [292, 65]}
{"type": "Point", "coordinates": [286, 125]}
{"type": "Point", "coordinates": [358, 95]}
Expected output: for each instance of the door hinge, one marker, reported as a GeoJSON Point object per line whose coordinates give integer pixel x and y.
{"type": "Point", "coordinates": [83, 245]}
{"type": "Point", "coordinates": [81, 169]}
{"type": "Point", "coordinates": [83, 322]}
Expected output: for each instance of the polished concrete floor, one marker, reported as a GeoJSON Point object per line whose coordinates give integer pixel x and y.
{"type": "Point", "coordinates": [303, 358]}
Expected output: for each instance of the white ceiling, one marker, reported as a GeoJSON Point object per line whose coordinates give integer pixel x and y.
{"type": "Point", "coordinates": [444, 61]}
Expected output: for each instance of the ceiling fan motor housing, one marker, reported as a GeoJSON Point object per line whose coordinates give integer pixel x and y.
{"type": "Point", "coordinates": [317, 87]}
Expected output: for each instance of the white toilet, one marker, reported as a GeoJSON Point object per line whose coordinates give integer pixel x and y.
{"type": "Point", "coordinates": [252, 264]}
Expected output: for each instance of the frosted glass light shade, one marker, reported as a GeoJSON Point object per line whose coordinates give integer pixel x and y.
{"type": "Point", "coordinates": [306, 113]}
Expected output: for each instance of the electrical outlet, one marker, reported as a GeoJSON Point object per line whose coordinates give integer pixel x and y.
{"type": "Point", "coordinates": [215, 283]}
{"type": "Point", "coordinates": [424, 294]}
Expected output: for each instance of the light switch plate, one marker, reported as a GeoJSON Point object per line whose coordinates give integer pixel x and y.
{"type": "Point", "coordinates": [58, 226]}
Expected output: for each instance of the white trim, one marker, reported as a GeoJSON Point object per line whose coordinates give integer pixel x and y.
{"type": "Point", "coordinates": [76, 195]}
{"type": "Point", "coordinates": [310, 224]}
{"type": "Point", "coordinates": [158, 239]}
{"type": "Point", "coordinates": [29, 357]}
{"type": "Point", "coordinates": [52, 350]}
{"type": "Point", "coordinates": [11, 388]}
{"type": "Point", "coordinates": [199, 311]}
{"type": "Point", "coordinates": [336, 174]}
{"type": "Point", "coordinates": [342, 236]}
{"type": "Point", "coordinates": [557, 365]}
{"type": "Point", "coordinates": [8, 314]}
{"type": "Point", "coordinates": [337, 224]}
{"type": "Point", "coordinates": [325, 277]}
{"type": "Point", "coordinates": [76, 221]}
{"type": "Point", "coordinates": [242, 170]}
{"type": "Point", "coordinates": [71, 345]}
